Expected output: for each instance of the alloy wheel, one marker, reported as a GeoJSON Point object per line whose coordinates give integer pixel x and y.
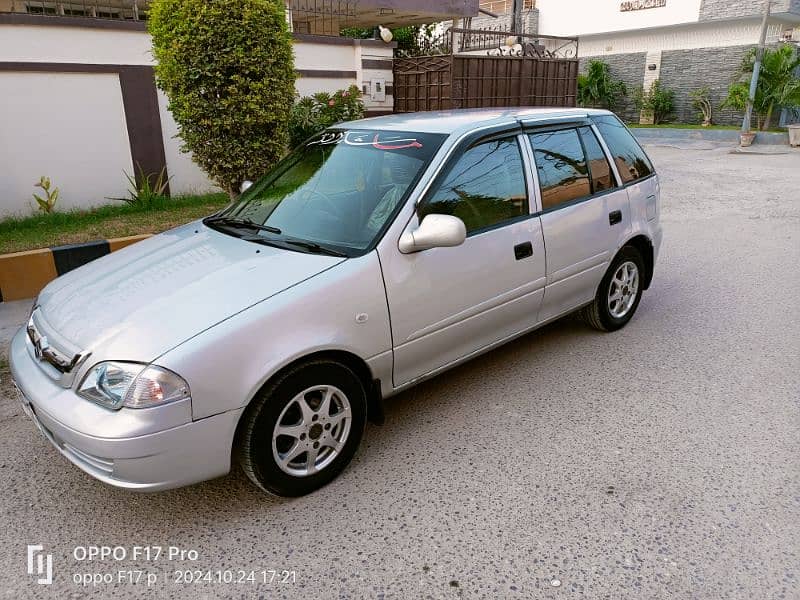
{"type": "Point", "coordinates": [623, 289]}
{"type": "Point", "coordinates": [311, 430]}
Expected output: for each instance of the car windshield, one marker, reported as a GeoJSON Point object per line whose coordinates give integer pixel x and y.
{"type": "Point", "coordinates": [337, 192]}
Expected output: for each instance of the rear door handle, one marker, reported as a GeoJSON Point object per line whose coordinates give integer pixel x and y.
{"type": "Point", "coordinates": [615, 217]}
{"type": "Point", "coordinates": [523, 250]}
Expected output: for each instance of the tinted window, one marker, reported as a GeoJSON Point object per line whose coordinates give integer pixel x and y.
{"type": "Point", "coordinates": [561, 165]}
{"type": "Point", "coordinates": [599, 169]}
{"type": "Point", "coordinates": [485, 187]}
{"type": "Point", "coordinates": [632, 162]}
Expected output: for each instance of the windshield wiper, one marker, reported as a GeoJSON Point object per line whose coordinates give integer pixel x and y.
{"type": "Point", "coordinates": [234, 222]}
{"type": "Point", "coordinates": [283, 242]}
{"type": "Point", "coordinates": [314, 247]}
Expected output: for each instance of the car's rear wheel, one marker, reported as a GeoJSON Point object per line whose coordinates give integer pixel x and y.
{"type": "Point", "coordinates": [619, 292]}
{"type": "Point", "coordinates": [303, 429]}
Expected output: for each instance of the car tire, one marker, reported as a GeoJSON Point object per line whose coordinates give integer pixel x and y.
{"type": "Point", "coordinates": [619, 292]}
{"type": "Point", "coordinates": [291, 442]}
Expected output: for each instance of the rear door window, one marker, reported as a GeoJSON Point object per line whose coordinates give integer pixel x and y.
{"type": "Point", "coordinates": [561, 167]}
{"type": "Point", "coordinates": [632, 163]}
{"type": "Point", "coordinates": [599, 169]}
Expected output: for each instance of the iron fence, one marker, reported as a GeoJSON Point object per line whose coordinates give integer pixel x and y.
{"type": "Point", "coordinates": [500, 42]}
{"type": "Point", "coordinates": [494, 42]}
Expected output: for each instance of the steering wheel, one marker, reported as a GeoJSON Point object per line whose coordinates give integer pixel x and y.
{"type": "Point", "coordinates": [331, 208]}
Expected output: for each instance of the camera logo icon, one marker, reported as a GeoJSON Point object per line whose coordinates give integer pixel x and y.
{"type": "Point", "coordinates": [40, 565]}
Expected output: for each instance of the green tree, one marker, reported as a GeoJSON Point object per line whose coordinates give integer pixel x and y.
{"type": "Point", "coordinates": [597, 88]}
{"type": "Point", "coordinates": [778, 84]}
{"type": "Point", "coordinates": [701, 102]}
{"type": "Point", "coordinates": [228, 70]}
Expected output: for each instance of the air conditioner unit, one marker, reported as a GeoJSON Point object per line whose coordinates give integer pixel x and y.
{"type": "Point", "coordinates": [791, 35]}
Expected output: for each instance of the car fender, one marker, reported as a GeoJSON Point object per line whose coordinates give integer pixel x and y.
{"type": "Point", "coordinates": [343, 308]}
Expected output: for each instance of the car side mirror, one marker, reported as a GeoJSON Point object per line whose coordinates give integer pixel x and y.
{"type": "Point", "coordinates": [435, 231]}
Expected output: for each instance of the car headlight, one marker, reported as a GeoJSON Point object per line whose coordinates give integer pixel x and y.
{"type": "Point", "coordinates": [134, 385]}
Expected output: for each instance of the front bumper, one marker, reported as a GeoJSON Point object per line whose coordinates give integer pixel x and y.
{"type": "Point", "coordinates": [124, 448]}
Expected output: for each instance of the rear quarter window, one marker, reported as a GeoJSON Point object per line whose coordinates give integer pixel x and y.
{"type": "Point", "coordinates": [632, 163]}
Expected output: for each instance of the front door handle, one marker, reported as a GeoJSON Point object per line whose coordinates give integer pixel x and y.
{"type": "Point", "coordinates": [615, 217]}
{"type": "Point", "coordinates": [523, 250]}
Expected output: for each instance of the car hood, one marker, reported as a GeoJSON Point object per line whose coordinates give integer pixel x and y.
{"type": "Point", "coordinates": [143, 300]}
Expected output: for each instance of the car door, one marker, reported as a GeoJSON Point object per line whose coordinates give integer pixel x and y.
{"type": "Point", "coordinates": [447, 303]}
{"type": "Point", "coordinates": [634, 168]}
{"type": "Point", "coordinates": [584, 213]}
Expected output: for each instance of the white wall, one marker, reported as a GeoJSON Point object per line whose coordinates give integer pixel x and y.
{"type": "Point", "coordinates": [43, 132]}
{"type": "Point", "coordinates": [29, 43]}
{"type": "Point", "coordinates": [324, 56]}
{"type": "Point", "coordinates": [697, 35]}
{"type": "Point", "coordinates": [343, 57]}
{"type": "Point", "coordinates": [579, 17]}
{"type": "Point", "coordinates": [72, 127]}
{"type": "Point", "coordinates": [186, 177]}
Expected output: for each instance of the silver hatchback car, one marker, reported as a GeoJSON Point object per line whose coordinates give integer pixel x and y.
{"type": "Point", "coordinates": [379, 253]}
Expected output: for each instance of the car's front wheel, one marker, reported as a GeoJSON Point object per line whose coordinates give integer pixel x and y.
{"type": "Point", "coordinates": [619, 292]}
{"type": "Point", "coordinates": [303, 429]}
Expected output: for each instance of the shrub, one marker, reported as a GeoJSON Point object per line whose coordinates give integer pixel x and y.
{"type": "Point", "coordinates": [312, 114]}
{"type": "Point", "coordinates": [778, 84]}
{"type": "Point", "coordinates": [412, 40]}
{"type": "Point", "coordinates": [148, 191]}
{"type": "Point", "coordinates": [596, 87]}
{"type": "Point", "coordinates": [659, 100]}
{"type": "Point", "coordinates": [228, 71]}
{"type": "Point", "coordinates": [701, 102]}
{"type": "Point", "coordinates": [48, 203]}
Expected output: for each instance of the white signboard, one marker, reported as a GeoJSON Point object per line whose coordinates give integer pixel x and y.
{"type": "Point", "coordinates": [629, 5]}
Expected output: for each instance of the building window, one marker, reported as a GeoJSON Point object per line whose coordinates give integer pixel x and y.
{"type": "Point", "coordinates": [41, 10]}
{"type": "Point", "coordinates": [505, 7]}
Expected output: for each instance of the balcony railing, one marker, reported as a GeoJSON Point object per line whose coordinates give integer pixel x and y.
{"type": "Point", "coordinates": [321, 17]}
{"type": "Point", "coordinates": [308, 16]}
{"type": "Point", "coordinates": [504, 7]}
{"type": "Point", "coordinates": [127, 10]}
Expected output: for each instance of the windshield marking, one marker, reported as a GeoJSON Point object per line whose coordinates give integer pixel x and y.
{"type": "Point", "coordinates": [354, 138]}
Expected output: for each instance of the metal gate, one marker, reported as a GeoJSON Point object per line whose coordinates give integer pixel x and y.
{"type": "Point", "coordinates": [536, 74]}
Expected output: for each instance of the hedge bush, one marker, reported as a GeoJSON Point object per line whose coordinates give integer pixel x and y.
{"type": "Point", "coordinates": [228, 70]}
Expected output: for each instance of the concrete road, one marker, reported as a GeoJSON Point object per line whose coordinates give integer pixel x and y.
{"type": "Point", "coordinates": [659, 461]}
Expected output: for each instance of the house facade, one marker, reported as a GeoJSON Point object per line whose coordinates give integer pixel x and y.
{"type": "Point", "coordinates": [687, 44]}
{"type": "Point", "coordinates": [80, 103]}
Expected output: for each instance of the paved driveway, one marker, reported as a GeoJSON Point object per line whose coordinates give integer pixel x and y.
{"type": "Point", "coordinates": [658, 461]}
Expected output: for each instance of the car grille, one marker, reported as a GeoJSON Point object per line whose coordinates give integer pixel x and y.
{"type": "Point", "coordinates": [50, 350]}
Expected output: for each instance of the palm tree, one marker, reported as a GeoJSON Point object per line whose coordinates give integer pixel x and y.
{"type": "Point", "coordinates": [778, 83]}
{"type": "Point", "coordinates": [597, 89]}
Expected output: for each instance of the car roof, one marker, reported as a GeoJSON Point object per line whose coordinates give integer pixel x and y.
{"type": "Point", "coordinates": [465, 120]}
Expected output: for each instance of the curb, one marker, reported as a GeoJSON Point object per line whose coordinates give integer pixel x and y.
{"type": "Point", "coordinates": [657, 134]}
{"type": "Point", "coordinates": [24, 274]}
